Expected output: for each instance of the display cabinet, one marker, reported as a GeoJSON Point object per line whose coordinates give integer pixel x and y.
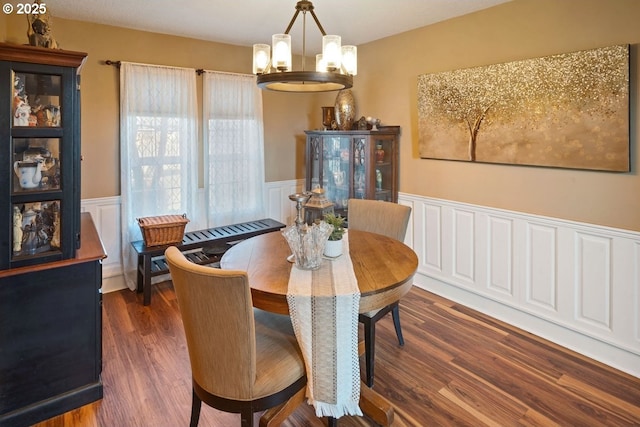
{"type": "Point", "coordinates": [40, 161]}
{"type": "Point", "coordinates": [360, 164]}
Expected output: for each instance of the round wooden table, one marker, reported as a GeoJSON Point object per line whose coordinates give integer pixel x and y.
{"type": "Point", "coordinates": [384, 268]}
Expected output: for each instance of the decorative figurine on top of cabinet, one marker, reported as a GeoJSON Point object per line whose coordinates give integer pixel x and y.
{"type": "Point", "coordinates": [39, 31]}
{"type": "Point", "coordinates": [328, 118]}
{"type": "Point", "coordinates": [362, 124]}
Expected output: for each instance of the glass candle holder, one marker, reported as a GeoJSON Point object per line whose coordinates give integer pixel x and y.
{"type": "Point", "coordinates": [350, 59]}
{"type": "Point", "coordinates": [332, 52]}
{"type": "Point", "coordinates": [281, 52]}
{"type": "Point", "coordinates": [261, 57]}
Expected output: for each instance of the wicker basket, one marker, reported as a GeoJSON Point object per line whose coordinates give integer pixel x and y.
{"type": "Point", "coordinates": [163, 230]}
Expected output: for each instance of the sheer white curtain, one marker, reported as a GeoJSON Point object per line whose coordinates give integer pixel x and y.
{"type": "Point", "coordinates": [234, 147]}
{"type": "Point", "coordinates": [158, 148]}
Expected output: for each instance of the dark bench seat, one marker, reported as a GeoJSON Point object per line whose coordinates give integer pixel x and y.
{"type": "Point", "coordinates": [200, 247]}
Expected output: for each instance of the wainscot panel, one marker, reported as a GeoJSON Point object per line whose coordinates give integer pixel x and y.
{"type": "Point", "coordinates": [573, 283]}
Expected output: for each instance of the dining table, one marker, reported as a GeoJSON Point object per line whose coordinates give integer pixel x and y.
{"type": "Point", "coordinates": [384, 269]}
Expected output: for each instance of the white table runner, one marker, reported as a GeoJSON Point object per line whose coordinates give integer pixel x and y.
{"type": "Point", "coordinates": [323, 305]}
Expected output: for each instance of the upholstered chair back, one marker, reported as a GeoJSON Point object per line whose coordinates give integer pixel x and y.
{"type": "Point", "coordinates": [218, 320]}
{"type": "Point", "coordinates": [386, 218]}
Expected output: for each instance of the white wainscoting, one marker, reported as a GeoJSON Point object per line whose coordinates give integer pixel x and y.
{"type": "Point", "coordinates": [575, 284]}
{"type": "Point", "coordinates": [278, 205]}
{"type": "Point", "coordinates": [105, 212]}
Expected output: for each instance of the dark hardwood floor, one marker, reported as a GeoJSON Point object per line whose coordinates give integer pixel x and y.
{"type": "Point", "coordinates": [458, 368]}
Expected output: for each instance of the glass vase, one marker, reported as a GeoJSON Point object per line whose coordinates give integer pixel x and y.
{"type": "Point", "coordinates": [307, 243]}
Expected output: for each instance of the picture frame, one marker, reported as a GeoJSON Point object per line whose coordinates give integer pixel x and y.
{"type": "Point", "coordinates": [569, 111]}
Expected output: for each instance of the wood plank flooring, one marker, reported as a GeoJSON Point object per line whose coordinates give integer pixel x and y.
{"type": "Point", "coordinates": [457, 368]}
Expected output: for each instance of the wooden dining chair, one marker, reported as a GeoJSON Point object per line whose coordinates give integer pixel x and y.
{"type": "Point", "coordinates": [243, 360]}
{"type": "Point", "coordinates": [391, 220]}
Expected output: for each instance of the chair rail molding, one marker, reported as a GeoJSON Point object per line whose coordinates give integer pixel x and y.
{"type": "Point", "coordinates": [575, 284]}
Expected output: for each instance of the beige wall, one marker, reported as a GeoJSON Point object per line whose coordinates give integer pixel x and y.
{"type": "Point", "coordinates": [3, 26]}
{"type": "Point", "coordinates": [286, 117]}
{"type": "Point", "coordinates": [386, 88]}
{"type": "Point", "coordinates": [521, 29]}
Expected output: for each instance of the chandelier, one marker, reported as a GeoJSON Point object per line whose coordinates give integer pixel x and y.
{"type": "Point", "coordinates": [335, 66]}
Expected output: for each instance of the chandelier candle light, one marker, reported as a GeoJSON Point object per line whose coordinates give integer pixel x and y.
{"type": "Point", "coordinates": [335, 66]}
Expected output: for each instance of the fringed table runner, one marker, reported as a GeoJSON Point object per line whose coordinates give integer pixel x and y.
{"type": "Point", "coordinates": [323, 305]}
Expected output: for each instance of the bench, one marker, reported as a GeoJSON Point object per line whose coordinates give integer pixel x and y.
{"type": "Point", "coordinates": [200, 247]}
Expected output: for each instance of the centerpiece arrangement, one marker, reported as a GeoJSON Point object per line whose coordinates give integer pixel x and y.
{"type": "Point", "coordinates": [306, 241]}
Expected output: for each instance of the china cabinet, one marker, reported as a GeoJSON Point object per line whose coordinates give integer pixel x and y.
{"type": "Point", "coordinates": [40, 161]}
{"type": "Point", "coordinates": [50, 253]}
{"type": "Point", "coordinates": [361, 164]}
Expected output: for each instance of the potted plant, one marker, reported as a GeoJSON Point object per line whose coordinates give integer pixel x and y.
{"type": "Point", "coordinates": [333, 248]}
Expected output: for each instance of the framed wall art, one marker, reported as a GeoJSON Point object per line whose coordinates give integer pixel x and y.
{"type": "Point", "coordinates": [569, 110]}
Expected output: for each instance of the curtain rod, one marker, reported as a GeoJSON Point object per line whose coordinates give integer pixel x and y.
{"type": "Point", "coordinates": [199, 71]}
{"type": "Point", "coordinates": [117, 64]}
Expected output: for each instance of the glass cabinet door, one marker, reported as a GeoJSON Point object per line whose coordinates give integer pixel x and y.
{"type": "Point", "coordinates": [335, 170]}
{"type": "Point", "coordinates": [36, 165]}
{"type": "Point", "coordinates": [36, 100]}
{"type": "Point", "coordinates": [40, 170]}
{"type": "Point", "coordinates": [314, 163]}
{"type": "Point", "coordinates": [353, 164]}
{"type": "Point", "coordinates": [36, 228]}
{"type": "Point", "coordinates": [328, 167]}
{"type": "Point", "coordinates": [360, 181]}
{"type": "Point", "coordinates": [383, 154]}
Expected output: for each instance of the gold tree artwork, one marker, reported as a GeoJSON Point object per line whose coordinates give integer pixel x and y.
{"type": "Point", "coordinates": [569, 110]}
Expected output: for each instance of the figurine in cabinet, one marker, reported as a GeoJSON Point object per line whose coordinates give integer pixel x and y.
{"type": "Point", "coordinates": [22, 114]}
{"type": "Point", "coordinates": [21, 109]}
{"type": "Point", "coordinates": [55, 239]}
{"type": "Point", "coordinates": [17, 229]}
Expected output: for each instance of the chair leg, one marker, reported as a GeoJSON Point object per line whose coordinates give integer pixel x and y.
{"type": "Point", "coordinates": [196, 404]}
{"type": "Point", "coordinates": [395, 313]}
{"type": "Point", "coordinates": [369, 349]}
{"type": "Point", "coordinates": [332, 422]}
